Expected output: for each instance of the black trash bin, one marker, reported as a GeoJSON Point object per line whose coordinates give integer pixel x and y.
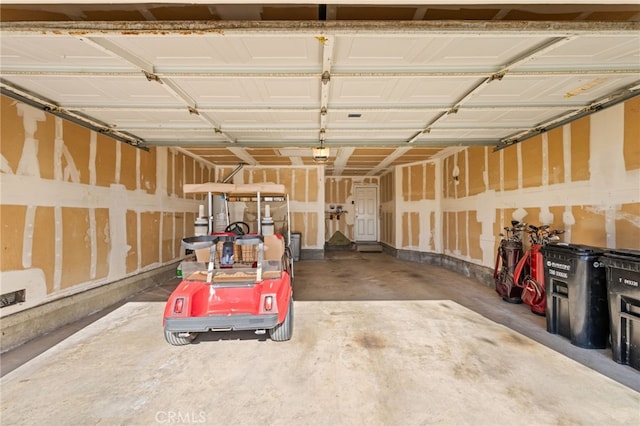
{"type": "Point", "coordinates": [576, 284]}
{"type": "Point", "coordinates": [295, 245]}
{"type": "Point", "coordinates": [623, 284]}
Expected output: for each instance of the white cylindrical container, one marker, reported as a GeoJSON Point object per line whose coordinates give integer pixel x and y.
{"type": "Point", "coordinates": [201, 226]}
{"type": "Point", "coordinates": [267, 222]}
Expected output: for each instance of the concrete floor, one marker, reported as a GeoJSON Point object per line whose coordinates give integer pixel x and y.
{"type": "Point", "coordinates": [376, 341]}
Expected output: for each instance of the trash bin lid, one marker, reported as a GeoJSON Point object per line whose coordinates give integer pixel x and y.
{"type": "Point", "coordinates": [575, 249]}
{"type": "Point", "coordinates": [626, 253]}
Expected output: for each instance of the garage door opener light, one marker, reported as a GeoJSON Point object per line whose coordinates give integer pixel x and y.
{"type": "Point", "coordinates": [320, 153]}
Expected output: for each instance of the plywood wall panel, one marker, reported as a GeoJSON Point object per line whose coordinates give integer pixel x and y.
{"type": "Point", "coordinates": [385, 227]}
{"type": "Point", "coordinates": [171, 158]}
{"type": "Point", "coordinates": [12, 133]}
{"type": "Point", "coordinates": [286, 178]}
{"type": "Point", "coordinates": [179, 233]}
{"type": "Point", "coordinates": [312, 229]}
{"type": "Point", "coordinates": [589, 228]}
{"type": "Point", "coordinates": [167, 237]}
{"type": "Point", "coordinates": [414, 237]}
{"type": "Point", "coordinates": [558, 223]}
{"type": "Point", "coordinates": [314, 184]}
{"type": "Point", "coordinates": [475, 157]}
{"type": "Point", "coordinates": [406, 239]}
{"type": "Point", "coordinates": [298, 225]}
{"type": "Point", "coordinates": [148, 170]}
{"type": "Point", "coordinates": [450, 231]}
{"type": "Point", "coordinates": [132, 241]}
{"type": "Point", "coordinates": [406, 189]}
{"type": "Point", "coordinates": [76, 247]}
{"type": "Point", "coordinates": [179, 173]}
{"type": "Point", "coordinates": [150, 232]}
{"type": "Point", "coordinates": [556, 158]}
{"type": "Point", "coordinates": [430, 192]}
{"type": "Point", "coordinates": [102, 243]}
{"type": "Point", "coordinates": [474, 232]}
{"type": "Point", "coordinates": [580, 149]}
{"type": "Point", "coordinates": [448, 180]}
{"type": "Point", "coordinates": [76, 164]}
{"type": "Point", "coordinates": [13, 226]}
{"type": "Point", "coordinates": [510, 166]}
{"type": "Point", "coordinates": [632, 134]}
{"type": "Point", "coordinates": [461, 233]}
{"type": "Point", "coordinates": [128, 166]}
{"type": "Point", "coordinates": [300, 185]}
{"type": "Point", "coordinates": [271, 175]}
{"type": "Point", "coordinates": [386, 193]}
{"type": "Point", "coordinates": [46, 135]}
{"type": "Point", "coordinates": [43, 244]}
{"type": "Point", "coordinates": [189, 174]}
{"type": "Point", "coordinates": [416, 186]}
{"type": "Point", "coordinates": [461, 184]}
{"type": "Point", "coordinates": [627, 229]}
{"type": "Point", "coordinates": [105, 161]}
{"type": "Point", "coordinates": [532, 162]}
{"type": "Point", "coordinates": [493, 161]}
{"type": "Point", "coordinates": [432, 230]}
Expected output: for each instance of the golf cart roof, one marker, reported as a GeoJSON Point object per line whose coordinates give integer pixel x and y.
{"type": "Point", "coordinates": [235, 188]}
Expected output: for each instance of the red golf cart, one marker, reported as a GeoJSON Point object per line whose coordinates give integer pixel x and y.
{"type": "Point", "coordinates": [241, 276]}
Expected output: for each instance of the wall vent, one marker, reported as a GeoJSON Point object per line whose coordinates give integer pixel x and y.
{"type": "Point", "coordinates": [13, 298]}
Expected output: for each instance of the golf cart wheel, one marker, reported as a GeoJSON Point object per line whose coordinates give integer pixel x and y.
{"type": "Point", "coordinates": [283, 331]}
{"type": "Point", "coordinates": [178, 339]}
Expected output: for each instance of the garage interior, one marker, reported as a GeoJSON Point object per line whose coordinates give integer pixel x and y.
{"type": "Point", "coordinates": [440, 124]}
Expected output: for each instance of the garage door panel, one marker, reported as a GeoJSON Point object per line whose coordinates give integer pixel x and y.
{"type": "Point", "coordinates": [479, 52]}
{"type": "Point", "coordinates": [469, 134]}
{"type": "Point", "coordinates": [57, 53]}
{"type": "Point", "coordinates": [403, 119]}
{"type": "Point", "coordinates": [73, 91]}
{"type": "Point", "coordinates": [267, 118]}
{"type": "Point", "coordinates": [234, 91]}
{"type": "Point", "coordinates": [391, 90]}
{"type": "Point", "coordinates": [526, 117]}
{"type": "Point", "coordinates": [226, 52]}
{"type": "Point", "coordinates": [590, 52]}
{"type": "Point", "coordinates": [569, 91]}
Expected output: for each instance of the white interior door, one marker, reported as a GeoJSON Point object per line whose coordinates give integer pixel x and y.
{"type": "Point", "coordinates": [366, 206]}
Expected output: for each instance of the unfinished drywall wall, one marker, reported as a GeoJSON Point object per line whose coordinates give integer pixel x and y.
{"type": "Point", "coordinates": [583, 177]}
{"type": "Point", "coordinates": [417, 197]}
{"type": "Point", "coordinates": [339, 209]}
{"type": "Point", "coordinates": [387, 209]}
{"type": "Point", "coordinates": [79, 210]}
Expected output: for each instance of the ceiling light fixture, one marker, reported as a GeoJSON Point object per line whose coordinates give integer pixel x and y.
{"type": "Point", "coordinates": [321, 153]}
